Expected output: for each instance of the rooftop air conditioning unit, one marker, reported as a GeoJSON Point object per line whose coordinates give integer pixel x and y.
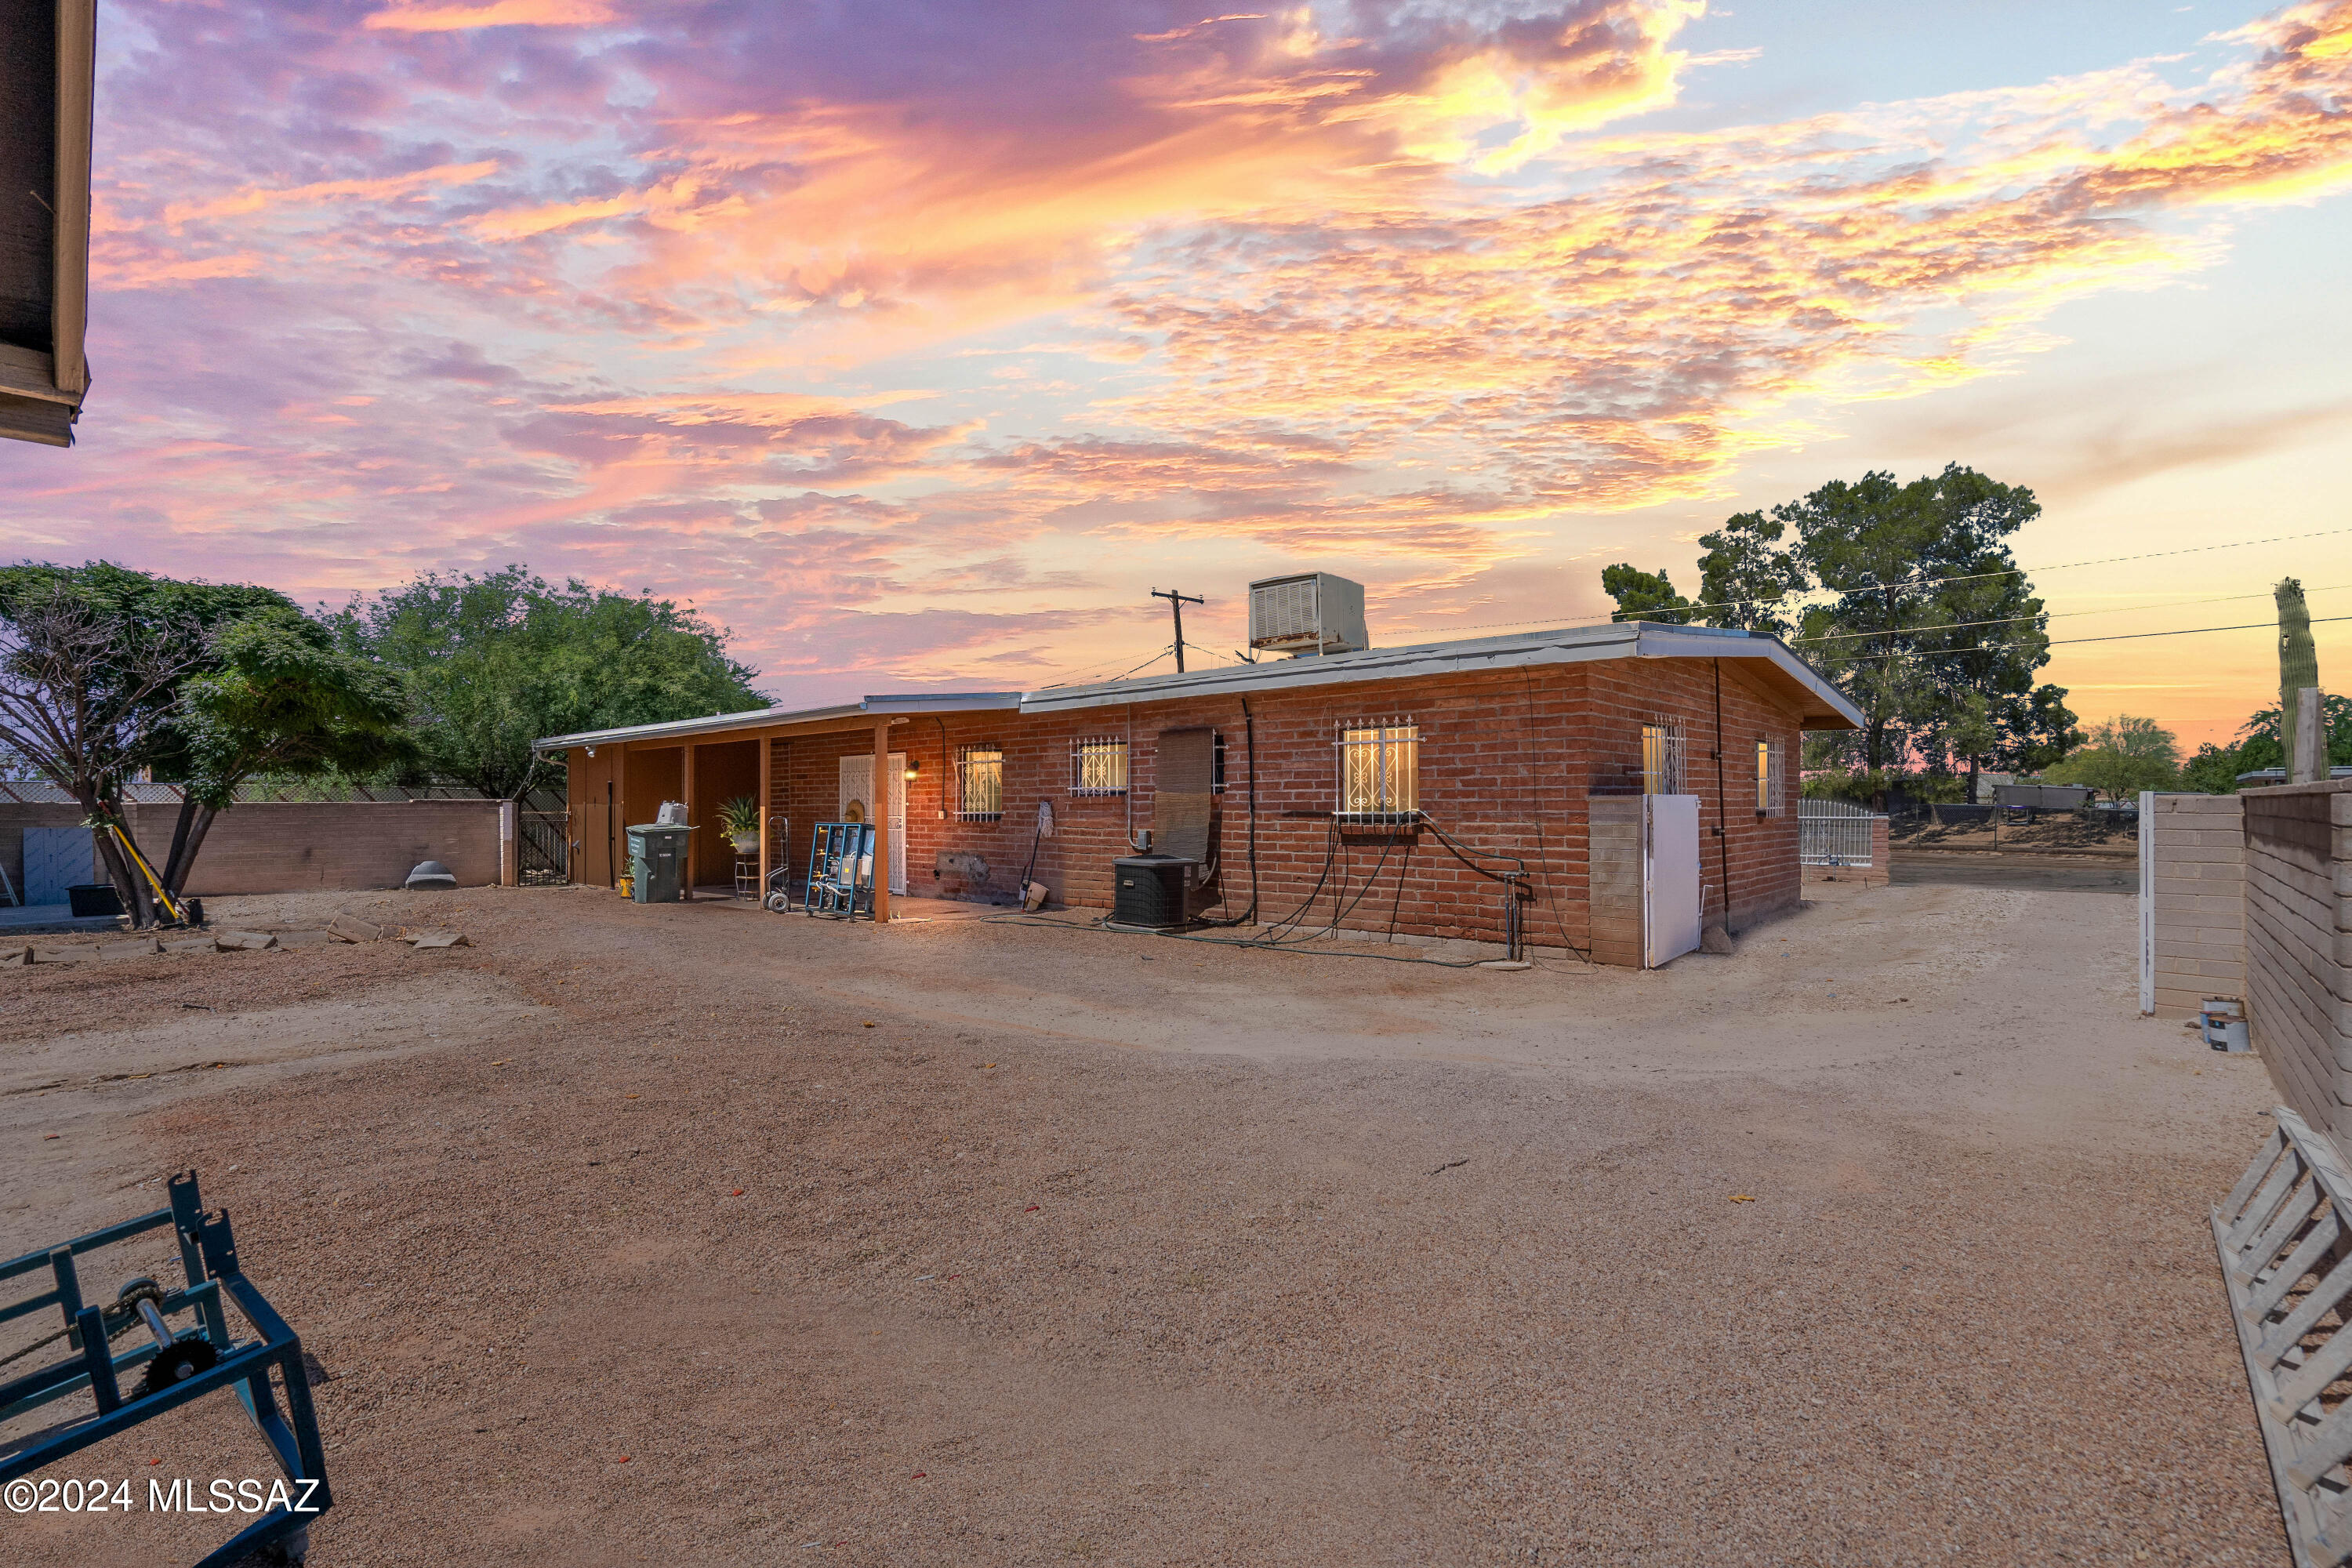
{"type": "Point", "coordinates": [1310, 613]}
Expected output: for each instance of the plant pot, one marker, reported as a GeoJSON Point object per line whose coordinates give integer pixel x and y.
{"type": "Point", "coordinates": [747, 843]}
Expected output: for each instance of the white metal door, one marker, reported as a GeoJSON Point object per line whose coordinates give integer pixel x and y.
{"type": "Point", "coordinates": [857, 786]}
{"type": "Point", "coordinates": [56, 858]}
{"type": "Point", "coordinates": [1670, 884]}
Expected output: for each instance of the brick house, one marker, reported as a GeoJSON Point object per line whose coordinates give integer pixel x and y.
{"type": "Point", "coordinates": [1388, 790]}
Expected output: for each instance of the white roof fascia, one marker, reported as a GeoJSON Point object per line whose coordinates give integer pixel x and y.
{"type": "Point", "coordinates": [1659, 642]}
{"type": "Point", "coordinates": [1622, 639]}
{"type": "Point", "coordinates": [1372, 664]}
{"type": "Point", "coordinates": [762, 718]}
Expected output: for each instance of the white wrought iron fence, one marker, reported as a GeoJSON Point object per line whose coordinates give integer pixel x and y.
{"type": "Point", "coordinates": [1834, 833]}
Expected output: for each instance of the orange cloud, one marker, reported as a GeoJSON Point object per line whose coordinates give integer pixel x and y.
{"type": "Point", "coordinates": [497, 14]}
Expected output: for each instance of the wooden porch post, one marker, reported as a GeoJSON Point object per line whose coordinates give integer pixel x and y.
{"type": "Point", "coordinates": [879, 809]}
{"type": "Point", "coordinates": [686, 788]}
{"type": "Point", "coordinates": [766, 746]}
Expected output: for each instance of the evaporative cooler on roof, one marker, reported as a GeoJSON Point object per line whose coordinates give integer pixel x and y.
{"type": "Point", "coordinates": [1307, 613]}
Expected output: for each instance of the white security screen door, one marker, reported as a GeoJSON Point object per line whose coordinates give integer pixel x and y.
{"type": "Point", "coordinates": [1670, 886]}
{"type": "Point", "coordinates": [857, 786]}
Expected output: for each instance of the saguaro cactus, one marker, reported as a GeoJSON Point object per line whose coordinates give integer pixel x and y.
{"type": "Point", "coordinates": [2298, 662]}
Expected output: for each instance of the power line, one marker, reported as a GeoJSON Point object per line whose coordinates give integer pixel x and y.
{"type": "Point", "coordinates": [1872, 586]}
{"type": "Point", "coordinates": [2061, 642]}
{"type": "Point", "coordinates": [2048, 614]}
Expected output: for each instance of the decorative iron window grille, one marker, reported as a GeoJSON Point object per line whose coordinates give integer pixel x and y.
{"type": "Point", "coordinates": [1661, 760]}
{"type": "Point", "coordinates": [1217, 776]}
{"type": "Point", "coordinates": [1379, 771]}
{"type": "Point", "coordinates": [1099, 765]}
{"type": "Point", "coordinates": [1771, 787]}
{"type": "Point", "coordinates": [980, 784]}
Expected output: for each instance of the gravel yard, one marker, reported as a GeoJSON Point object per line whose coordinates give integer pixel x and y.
{"type": "Point", "coordinates": [693, 1235]}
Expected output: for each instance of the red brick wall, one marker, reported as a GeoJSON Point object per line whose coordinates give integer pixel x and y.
{"type": "Point", "coordinates": [1507, 759]}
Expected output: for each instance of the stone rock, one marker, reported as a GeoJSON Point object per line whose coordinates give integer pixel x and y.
{"type": "Point", "coordinates": [424, 939]}
{"type": "Point", "coordinates": [244, 940]}
{"type": "Point", "coordinates": [350, 928]}
{"type": "Point", "coordinates": [1714, 939]}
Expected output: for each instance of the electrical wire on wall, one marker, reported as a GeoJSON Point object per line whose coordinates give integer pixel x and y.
{"type": "Point", "coordinates": [1249, 744]}
{"type": "Point", "coordinates": [1534, 813]}
{"type": "Point", "coordinates": [1722, 838]}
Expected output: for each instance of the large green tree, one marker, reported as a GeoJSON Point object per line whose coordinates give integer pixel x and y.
{"type": "Point", "coordinates": [107, 673]}
{"type": "Point", "coordinates": [1906, 594]}
{"type": "Point", "coordinates": [492, 662]}
{"type": "Point", "coordinates": [279, 697]}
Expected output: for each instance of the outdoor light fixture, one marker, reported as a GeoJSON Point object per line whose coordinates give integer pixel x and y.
{"type": "Point", "coordinates": [913, 767]}
{"type": "Point", "coordinates": [591, 750]}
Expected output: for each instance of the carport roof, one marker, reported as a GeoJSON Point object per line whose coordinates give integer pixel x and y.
{"type": "Point", "coordinates": [760, 718]}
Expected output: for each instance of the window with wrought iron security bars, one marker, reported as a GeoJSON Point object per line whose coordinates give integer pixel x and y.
{"type": "Point", "coordinates": [1834, 833]}
{"type": "Point", "coordinates": [1379, 771]}
{"type": "Point", "coordinates": [980, 784]}
{"type": "Point", "coordinates": [1099, 765]}
{"type": "Point", "coordinates": [542, 842]}
{"type": "Point", "coordinates": [1661, 760]}
{"type": "Point", "coordinates": [1772, 783]}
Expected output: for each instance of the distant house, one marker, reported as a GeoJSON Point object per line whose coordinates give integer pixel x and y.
{"type": "Point", "coordinates": [47, 65]}
{"type": "Point", "coordinates": [1421, 791]}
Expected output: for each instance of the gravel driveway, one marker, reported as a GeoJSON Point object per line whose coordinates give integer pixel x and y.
{"type": "Point", "coordinates": [693, 1235]}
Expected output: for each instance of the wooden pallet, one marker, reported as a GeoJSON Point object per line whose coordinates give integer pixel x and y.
{"type": "Point", "coordinates": [2284, 1237]}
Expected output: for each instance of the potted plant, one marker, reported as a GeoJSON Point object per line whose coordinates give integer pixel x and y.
{"type": "Point", "coordinates": [740, 820]}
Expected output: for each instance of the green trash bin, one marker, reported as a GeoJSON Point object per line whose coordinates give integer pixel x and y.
{"type": "Point", "coordinates": [657, 863]}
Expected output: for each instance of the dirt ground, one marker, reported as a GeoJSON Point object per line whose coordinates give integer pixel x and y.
{"type": "Point", "coordinates": [694, 1236]}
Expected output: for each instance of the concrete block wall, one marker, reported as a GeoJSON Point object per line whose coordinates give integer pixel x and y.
{"type": "Point", "coordinates": [2193, 879]}
{"type": "Point", "coordinates": [285, 847]}
{"type": "Point", "coordinates": [2298, 885]}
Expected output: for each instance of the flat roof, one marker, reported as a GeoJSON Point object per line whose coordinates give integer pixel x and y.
{"type": "Point", "coordinates": [1821, 704]}
{"type": "Point", "coordinates": [756, 717]}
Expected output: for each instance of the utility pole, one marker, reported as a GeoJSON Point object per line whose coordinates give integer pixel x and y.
{"type": "Point", "coordinates": [1176, 603]}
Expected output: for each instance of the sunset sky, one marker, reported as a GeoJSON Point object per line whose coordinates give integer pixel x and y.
{"type": "Point", "coordinates": [916, 341]}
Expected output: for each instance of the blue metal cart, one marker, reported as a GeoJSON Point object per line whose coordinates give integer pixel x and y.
{"type": "Point", "coordinates": [183, 1363]}
{"type": "Point", "coordinates": [841, 871]}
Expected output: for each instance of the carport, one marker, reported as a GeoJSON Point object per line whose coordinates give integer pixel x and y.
{"type": "Point", "coordinates": [621, 777]}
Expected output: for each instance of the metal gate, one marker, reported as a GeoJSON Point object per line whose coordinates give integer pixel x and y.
{"type": "Point", "coordinates": [1834, 833]}
{"type": "Point", "coordinates": [542, 843]}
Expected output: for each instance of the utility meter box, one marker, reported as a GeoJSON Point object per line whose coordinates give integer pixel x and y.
{"type": "Point", "coordinates": [1307, 613]}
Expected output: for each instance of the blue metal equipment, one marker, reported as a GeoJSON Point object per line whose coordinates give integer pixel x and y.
{"type": "Point", "coordinates": [841, 871]}
{"type": "Point", "coordinates": [184, 1364]}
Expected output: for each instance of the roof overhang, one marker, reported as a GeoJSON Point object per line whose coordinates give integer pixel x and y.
{"type": "Point", "coordinates": [47, 84]}
{"type": "Point", "coordinates": [1801, 688]}
{"type": "Point", "coordinates": [844, 715]}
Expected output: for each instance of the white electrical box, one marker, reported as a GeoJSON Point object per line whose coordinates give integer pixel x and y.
{"type": "Point", "coordinates": [1310, 612]}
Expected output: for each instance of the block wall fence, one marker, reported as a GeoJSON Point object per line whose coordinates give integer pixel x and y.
{"type": "Point", "coordinates": [1507, 763]}
{"type": "Point", "coordinates": [2298, 941]}
{"type": "Point", "coordinates": [289, 846]}
{"type": "Point", "coordinates": [2193, 900]}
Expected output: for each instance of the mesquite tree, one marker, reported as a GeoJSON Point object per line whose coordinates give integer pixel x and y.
{"type": "Point", "coordinates": [88, 696]}
{"type": "Point", "coordinates": [106, 673]}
